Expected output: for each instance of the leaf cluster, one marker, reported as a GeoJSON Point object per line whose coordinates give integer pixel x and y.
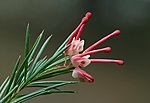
{"type": "Point", "coordinates": [33, 70]}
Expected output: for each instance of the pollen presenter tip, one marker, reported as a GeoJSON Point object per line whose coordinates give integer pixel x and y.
{"type": "Point", "coordinates": [116, 32]}
{"type": "Point", "coordinates": [120, 62]}
{"type": "Point", "coordinates": [88, 15]}
{"type": "Point", "coordinates": [107, 49]}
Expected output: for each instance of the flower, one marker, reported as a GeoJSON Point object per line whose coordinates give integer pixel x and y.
{"type": "Point", "coordinates": [77, 44]}
{"type": "Point", "coordinates": [75, 47]}
{"type": "Point", "coordinates": [83, 61]}
{"type": "Point", "coordinates": [82, 75]}
{"type": "Point", "coordinates": [78, 59]}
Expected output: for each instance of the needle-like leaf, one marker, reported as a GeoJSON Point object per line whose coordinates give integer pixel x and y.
{"type": "Point", "coordinates": [45, 83]}
{"type": "Point", "coordinates": [35, 46]}
{"type": "Point", "coordinates": [39, 92]}
{"type": "Point", "coordinates": [13, 75]}
{"type": "Point", "coordinates": [38, 55]}
{"type": "Point", "coordinates": [8, 95]}
{"type": "Point", "coordinates": [63, 44]}
{"type": "Point", "coordinates": [26, 51]}
{"type": "Point", "coordinates": [53, 72]}
{"type": "Point", "coordinates": [3, 86]}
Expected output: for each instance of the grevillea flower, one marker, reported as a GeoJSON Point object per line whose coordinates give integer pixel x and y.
{"type": "Point", "coordinates": [77, 44]}
{"type": "Point", "coordinates": [81, 60]}
{"type": "Point", "coordinates": [75, 47]}
{"type": "Point", "coordinates": [82, 75]}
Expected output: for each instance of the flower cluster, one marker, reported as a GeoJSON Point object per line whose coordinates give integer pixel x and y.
{"type": "Point", "coordinates": [78, 59]}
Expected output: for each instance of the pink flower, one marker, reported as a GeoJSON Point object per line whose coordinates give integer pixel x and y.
{"type": "Point", "coordinates": [75, 47]}
{"type": "Point", "coordinates": [77, 44]}
{"type": "Point", "coordinates": [82, 75]}
{"type": "Point", "coordinates": [82, 60]}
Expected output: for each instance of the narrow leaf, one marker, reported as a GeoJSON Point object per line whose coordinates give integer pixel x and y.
{"type": "Point", "coordinates": [27, 41]}
{"type": "Point", "coordinates": [28, 57]}
{"type": "Point", "coordinates": [39, 54]}
{"type": "Point", "coordinates": [45, 83]}
{"type": "Point", "coordinates": [45, 65]}
{"type": "Point", "coordinates": [59, 61]}
{"type": "Point", "coordinates": [38, 64]}
{"type": "Point", "coordinates": [4, 99]}
{"type": "Point", "coordinates": [63, 44]}
{"type": "Point", "coordinates": [13, 74]}
{"type": "Point", "coordinates": [53, 72]}
{"type": "Point", "coordinates": [61, 51]}
{"type": "Point", "coordinates": [4, 88]}
{"type": "Point", "coordinates": [3, 85]}
{"type": "Point", "coordinates": [36, 45]}
{"type": "Point", "coordinates": [26, 50]}
{"type": "Point", "coordinates": [58, 91]}
{"type": "Point", "coordinates": [37, 93]}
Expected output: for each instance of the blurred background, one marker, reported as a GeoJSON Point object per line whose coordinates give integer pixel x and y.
{"type": "Point", "coordinates": [129, 83]}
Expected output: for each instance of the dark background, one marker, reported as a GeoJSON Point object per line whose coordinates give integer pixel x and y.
{"type": "Point", "coordinates": [129, 83]}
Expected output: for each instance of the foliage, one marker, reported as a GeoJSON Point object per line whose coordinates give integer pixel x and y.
{"type": "Point", "coordinates": [33, 69]}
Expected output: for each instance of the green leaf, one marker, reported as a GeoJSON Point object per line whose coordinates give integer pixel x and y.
{"type": "Point", "coordinates": [38, 64]}
{"type": "Point", "coordinates": [28, 57]}
{"type": "Point", "coordinates": [41, 61]}
{"type": "Point", "coordinates": [37, 71]}
{"type": "Point", "coordinates": [27, 41]}
{"type": "Point", "coordinates": [45, 93]}
{"type": "Point", "coordinates": [4, 99]}
{"type": "Point", "coordinates": [61, 51]}
{"type": "Point", "coordinates": [13, 74]}
{"type": "Point", "coordinates": [21, 69]}
{"type": "Point", "coordinates": [35, 45]}
{"type": "Point", "coordinates": [53, 72]}
{"type": "Point", "coordinates": [48, 62]}
{"type": "Point", "coordinates": [59, 62]}
{"type": "Point", "coordinates": [4, 89]}
{"type": "Point", "coordinates": [3, 86]}
{"type": "Point", "coordinates": [58, 91]}
{"type": "Point", "coordinates": [63, 44]}
{"type": "Point", "coordinates": [45, 83]}
{"type": "Point", "coordinates": [26, 50]}
{"type": "Point", "coordinates": [30, 79]}
{"type": "Point", "coordinates": [38, 55]}
{"type": "Point", "coordinates": [38, 92]}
